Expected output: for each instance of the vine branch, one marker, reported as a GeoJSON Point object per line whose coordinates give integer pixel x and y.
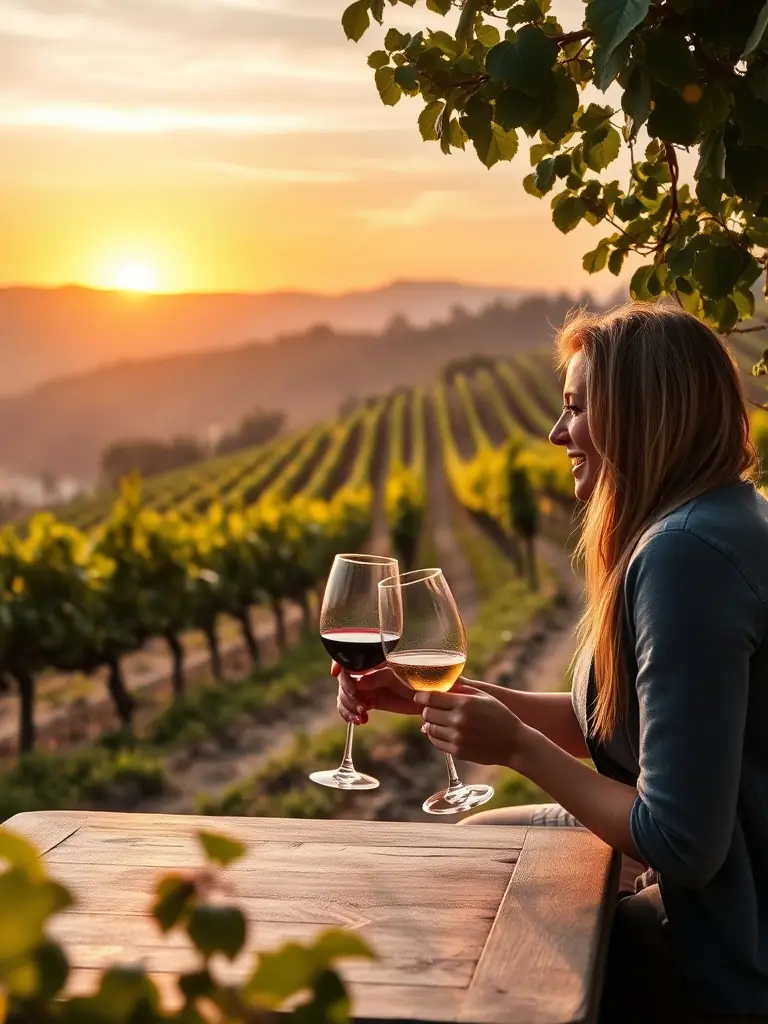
{"type": "Point", "coordinates": [572, 37]}
{"type": "Point", "coordinates": [674, 211]}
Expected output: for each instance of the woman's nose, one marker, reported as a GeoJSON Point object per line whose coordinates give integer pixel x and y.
{"type": "Point", "coordinates": [559, 433]}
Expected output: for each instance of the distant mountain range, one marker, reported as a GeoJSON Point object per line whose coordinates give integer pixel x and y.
{"type": "Point", "coordinates": [61, 427]}
{"type": "Point", "coordinates": [48, 333]}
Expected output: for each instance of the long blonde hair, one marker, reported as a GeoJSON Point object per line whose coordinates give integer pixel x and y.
{"type": "Point", "coordinates": [667, 414]}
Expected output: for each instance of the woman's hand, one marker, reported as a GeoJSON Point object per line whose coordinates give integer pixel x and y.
{"type": "Point", "coordinates": [379, 690]}
{"type": "Point", "coordinates": [471, 724]}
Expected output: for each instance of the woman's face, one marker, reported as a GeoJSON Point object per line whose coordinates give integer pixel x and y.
{"type": "Point", "coordinates": [572, 429]}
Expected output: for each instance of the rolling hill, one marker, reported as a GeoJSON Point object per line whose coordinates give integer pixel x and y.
{"type": "Point", "coordinates": [48, 333]}
{"type": "Point", "coordinates": [61, 427]}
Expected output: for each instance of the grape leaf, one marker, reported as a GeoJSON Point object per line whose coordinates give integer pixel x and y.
{"type": "Point", "coordinates": [355, 20]}
{"type": "Point", "coordinates": [611, 21]}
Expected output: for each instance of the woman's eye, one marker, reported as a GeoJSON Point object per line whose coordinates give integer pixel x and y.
{"type": "Point", "coordinates": [572, 409]}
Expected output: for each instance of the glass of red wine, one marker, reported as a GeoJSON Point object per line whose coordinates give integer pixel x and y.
{"type": "Point", "coordinates": [349, 629]}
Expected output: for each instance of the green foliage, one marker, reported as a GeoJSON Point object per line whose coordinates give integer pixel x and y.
{"type": "Point", "coordinates": [88, 775]}
{"type": "Point", "coordinates": [523, 506]}
{"type": "Point", "coordinates": [34, 969]}
{"type": "Point", "coordinates": [73, 602]}
{"type": "Point", "coordinates": [481, 482]}
{"type": "Point", "coordinates": [406, 510]}
{"type": "Point", "coordinates": [220, 849]}
{"type": "Point", "coordinates": [692, 73]}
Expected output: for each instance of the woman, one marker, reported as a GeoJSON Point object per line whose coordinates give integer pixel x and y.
{"type": "Point", "coordinates": [670, 694]}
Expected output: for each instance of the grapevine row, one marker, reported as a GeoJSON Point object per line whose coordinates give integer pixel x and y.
{"type": "Point", "coordinates": [217, 488]}
{"type": "Point", "coordinates": [489, 387]}
{"type": "Point", "coordinates": [73, 602]}
{"type": "Point", "coordinates": [538, 376]}
{"type": "Point", "coordinates": [405, 497]}
{"type": "Point", "coordinates": [360, 473]}
{"type": "Point", "coordinates": [343, 435]}
{"type": "Point", "coordinates": [401, 405]}
{"type": "Point", "coordinates": [477, 432]}
{"type": "Point", "coordinates": [295, 472]}
{"type": "Point", "coordinates": [531, 413]}
{"type": "Point", "coordinates": [252, 486]}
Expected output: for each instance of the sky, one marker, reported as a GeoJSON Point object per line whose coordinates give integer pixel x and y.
{"type": "Point", "coordinates": [227, 145]}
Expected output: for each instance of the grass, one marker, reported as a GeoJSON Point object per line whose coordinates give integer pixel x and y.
{"type": "Point", "coordinates": [281, 788]}
{"type": "Point", "coordinates": [94, 774]}
{"type": "Point", "coordinates": [210, 709]}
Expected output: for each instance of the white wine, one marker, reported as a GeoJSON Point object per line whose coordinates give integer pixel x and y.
{"type": "Point", "coordinates": [427, 670]}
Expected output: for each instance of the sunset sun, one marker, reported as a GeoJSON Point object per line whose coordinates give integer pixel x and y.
{"type": "Point", "coordinates": [135, 277]}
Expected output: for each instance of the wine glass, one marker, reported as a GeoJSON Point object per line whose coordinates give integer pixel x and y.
{"type": "Point", "coordinates": [430, 654]}
{"type": "Point", "coordinates": [349, 629]}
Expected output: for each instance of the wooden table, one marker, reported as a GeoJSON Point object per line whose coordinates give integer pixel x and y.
{"type": "Point", "coordinates": [493, 925]}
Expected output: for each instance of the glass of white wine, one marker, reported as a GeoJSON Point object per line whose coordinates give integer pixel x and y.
{"type": "Point", "coordinates": [430, 653]}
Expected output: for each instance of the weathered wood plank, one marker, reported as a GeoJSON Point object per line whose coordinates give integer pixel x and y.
{"type": "Point", "coordinates": [96, 846]}
{"type": "Point", "coordinates": [465, 886]}
{"type": "Point", "coordinates": [299, 909]}
{"type": "Point", "coordinates": [291, 830]}
{"type": "Point", "coordinates": [46, 829]}
{"type": "Point", "coordinates": [547, 933]}
{"type": "Point", "coordinates": [372, 1003]}
{"type": "Point", "coordinates": [400, 970]}
{"type": "Point", "coordinates": [431, 936]}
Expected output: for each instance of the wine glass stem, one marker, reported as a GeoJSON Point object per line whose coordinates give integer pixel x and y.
{"type": "Point", "coordinates": [346, 760]}
{"type": "Point", "coordinates": [454, 782]}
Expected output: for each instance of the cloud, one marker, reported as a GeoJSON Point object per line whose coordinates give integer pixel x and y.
{"type": "Point", "coordinates": [147, 121]}
{"type": "Point", "coordinates": [281, 175]}
{"type": "Point", "coordinates": [223, 65]}
{"type": "Point", "coordinates": [438, 206]}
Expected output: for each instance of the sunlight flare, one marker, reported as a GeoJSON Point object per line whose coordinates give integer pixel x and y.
{"type": "Point", "coordinates": [135, 277]}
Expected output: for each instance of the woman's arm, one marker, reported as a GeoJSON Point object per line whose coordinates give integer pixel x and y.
{"type": "Point", "coordinates": [551, 714]}
{"type": "Point", "coordinates": [599, 803]}
{"type": "Point", "coordinates": [474, 725]}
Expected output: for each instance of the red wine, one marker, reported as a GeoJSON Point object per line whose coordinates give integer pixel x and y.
{"type": "Point", "coordinates": [357, 650]}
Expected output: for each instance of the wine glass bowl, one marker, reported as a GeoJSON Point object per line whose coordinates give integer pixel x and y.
{"type": "Point", "coordinates": [428, 653]}
{"type": "Point", "coordinates": [349, 630]}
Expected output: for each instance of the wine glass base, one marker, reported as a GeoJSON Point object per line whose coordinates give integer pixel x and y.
{"type": "Point", "coordinates": [454, 801]}
{"type": "Point", "coordinates": [340, 778]}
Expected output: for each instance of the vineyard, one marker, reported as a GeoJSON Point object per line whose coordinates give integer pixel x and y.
{"type": "Point", "coordinates": [233, 553]}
